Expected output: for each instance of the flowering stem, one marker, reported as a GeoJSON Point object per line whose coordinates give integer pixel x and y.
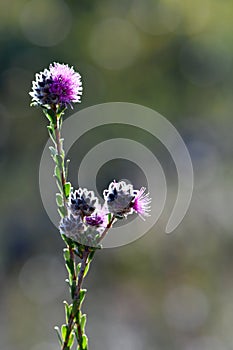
{"type": "Point", "coordinates": [83, 220]}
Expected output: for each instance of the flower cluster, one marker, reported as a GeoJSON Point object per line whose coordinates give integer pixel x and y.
{"type": "Point", "coordinates": [87, 221]}
{"type": "Point", "coordinates": [59, 86]}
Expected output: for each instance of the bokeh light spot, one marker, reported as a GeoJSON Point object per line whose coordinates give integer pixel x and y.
{"type": "Point", "coordinates": [196, 15]}
{"type": "Point", "coordinates": [155, 17]}
{"type": "Point", "coordinates": [114, 44]}
{"type": "Point", "coordinates": [46, 22]}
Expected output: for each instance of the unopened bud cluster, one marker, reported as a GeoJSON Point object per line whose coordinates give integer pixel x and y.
{"type": "Point", "coordinates": [88, 220]}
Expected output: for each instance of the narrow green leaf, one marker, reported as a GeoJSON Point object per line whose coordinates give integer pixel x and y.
{"type": "Point", "coordinates": [67, 188]}
{"type": "Point", "coordinates": [59, 199]}
{"type": "Point", "coordinates": [71, 340]}
{"type": "Point", "coordinates": [84, 342]}
{"type": "Point", "coordinates": [61, 147]}
{"type": "Point", "coordinates": [67, 168]}
{"type": "Point", "coordinates": [109, 217]}
{"type": "Point", "coordinates": [70, 279]}
{"type": "Point", "coordinates": [57, 172]}
{"type": "Point", "coordinates": [53, 151]}
{"type": "Point", "coordinates": [60, 112]}
{"type": "Point", "coordinates": [51, 133]}
{"type": "Point", "coordinates": [68, 310]}
{"type": "Point", "coordinates": [59, 161]}
{"type": "Point", "coordinates": [63, 331]}
{"type": "Point", "coordinates": [82, 295]}
{"type": "Point", "coordinates": [91, 256]}
{"type": "Point", "coordinates": [70, 266]}
{"type": "Point", "coordinates": [83, 322]}
{"type": "Point", "coordinates": [66, 253]}
{"type": "Point", "coordinates": [59, 184]}
{"type": "Point", "coordinates": [77, 336]}
{"type": "Point", "coordinates": [68, 241]}
{"type": "Point", "coordinates": [58, 334]}
{"type": "Point", "coordinates": [50, 115]}
{"type": "Point", "coordinates": [86, 269]}
{"type": "Point", "coordinates": [68, 269]}
{"type": "Point", "coordinates": [62, 212]}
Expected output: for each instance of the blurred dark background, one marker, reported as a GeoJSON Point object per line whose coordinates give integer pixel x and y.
{"type": "Point", "coordinates": [161, 292]}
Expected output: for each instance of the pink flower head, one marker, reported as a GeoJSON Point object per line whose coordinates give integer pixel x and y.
{"type": "Point", "coordinates": [59, 86]}
{"type": "Point", "coordinates": [66, 83]}
{"type": "Point", "coordinates": [141, 203]}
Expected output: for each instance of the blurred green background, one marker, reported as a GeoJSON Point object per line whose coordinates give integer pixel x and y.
{"type": "Point", "coordinates": [161, 292]}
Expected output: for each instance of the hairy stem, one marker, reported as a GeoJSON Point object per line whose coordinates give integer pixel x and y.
{"type": "Point", "coordinates": [59, 152]}
{"type": "Point", "coordinates": [73, 319]}
{"type": "Point", "coordinates": [72, 258]}
{"type": "Point", "coordinates": [107, 228]}
{"type": "Point", "coordinates": [77, 296]}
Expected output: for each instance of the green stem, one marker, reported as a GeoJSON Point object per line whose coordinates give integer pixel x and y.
{"type": "Point", "coordinates": [107, 228]}
{"type": "Point", "coordinates": [59, 152]}
{"type": "Point", "coordinates": [77, 297]}
{"type": "Point", "coordinates": [72, 258]}
{"type": "Point", "coordinates": [73, 318]}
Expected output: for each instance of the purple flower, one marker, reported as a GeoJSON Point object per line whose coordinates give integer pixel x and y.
{"type": "Point", "coordinates": [98, 219]}
{"type": "Point", "coordinates": [59, 86]}
{"type": "Point", "coordinates": [66, 85]}
{"type": "Point", "coordinates": [95, 220]}
{"type": "Point", "coordinates": [141, 203]}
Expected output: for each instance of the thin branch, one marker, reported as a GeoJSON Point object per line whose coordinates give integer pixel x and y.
{"type": "Point", "coordinates": [76, 303]}
{"type": "Point", "coordinates": [109, 225]}
{"type": "Point", "coordinates": [59, 152]}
